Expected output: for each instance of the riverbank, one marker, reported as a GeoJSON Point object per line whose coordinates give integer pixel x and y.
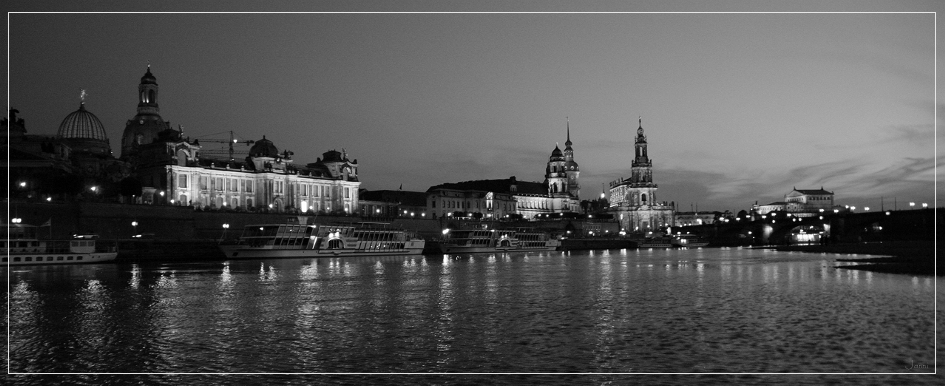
{"type": "Point", "coordinates": [903, 257]}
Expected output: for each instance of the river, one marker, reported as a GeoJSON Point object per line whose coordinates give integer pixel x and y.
{"type": "Point", "coordinates": [621, 311]}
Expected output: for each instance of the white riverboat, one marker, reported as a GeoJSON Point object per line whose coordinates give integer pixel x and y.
{"type": "Point", "coordinates": [22, 247]}
{"type": "Point", "coordinates": [497, 240]}
{"type": "Point", "coordinates": [267, 241]}
{"type": "Point", "coordinates": [689, 241]}
{"type": "Point", "coordinates": [655, 242]}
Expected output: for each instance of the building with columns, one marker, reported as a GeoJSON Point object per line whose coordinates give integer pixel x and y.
{"type": "Point", "coordinates": [633, 200]}
{"type": "Point", "coordinates": [171, 169]}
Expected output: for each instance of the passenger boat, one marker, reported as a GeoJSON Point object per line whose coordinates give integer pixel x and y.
{"type": "Point", "coordinates": [268, 241]}
{"type": "Point", "coordinates": [497, 240]}
{"type": "Point", "coordinates": [656, 242]}
{"type": "Point", "coordinates": [689, 241]}
{"type": "Point", "coordinates": [22, 247]}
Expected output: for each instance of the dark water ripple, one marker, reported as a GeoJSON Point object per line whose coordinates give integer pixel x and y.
{"type": "Point", "coordinates": [653, 311]}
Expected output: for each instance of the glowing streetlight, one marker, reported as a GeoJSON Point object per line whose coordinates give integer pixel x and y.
{"type": "Point", "coordinates": [16, 220]}
{"type": "Point", "coordinates": [866, 209]}
{"type": "Point", "coordinates": [925, 205]}
{"type": "Point", "coordinates": [22, 184]}
{"type": "Point", "coordinates": [135, 225]}
{"type": "Point", "coordinates": [911, 205]}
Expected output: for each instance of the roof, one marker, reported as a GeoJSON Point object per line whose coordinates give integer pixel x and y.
{"type": "Point", "coordinates": [812, 191]}
{"type": "Point", "coordinates": [401, 196]}
{"type": "Point", "coordinates": [501, 186]}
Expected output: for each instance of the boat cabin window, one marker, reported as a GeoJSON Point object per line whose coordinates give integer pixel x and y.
{"type": "Point", "coordinates": [30, 258]}
{"type": "Point", "coordinates": [16, 259]}
{"type": "Point", "coordinates": [78, 258]}
{"type": "Point", "coordinates": [58, 258]}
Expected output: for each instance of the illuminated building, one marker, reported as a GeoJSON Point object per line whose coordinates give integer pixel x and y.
{"type": "Point", "coordinates": [558, 193]}
{"type": "Point", "coordinates": [633, 200]}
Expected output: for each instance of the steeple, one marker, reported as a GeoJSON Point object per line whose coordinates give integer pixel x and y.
{"type": "Point", "coordinates": [568, 143]}
{"type": "Point", "coordinates": [148, 94]}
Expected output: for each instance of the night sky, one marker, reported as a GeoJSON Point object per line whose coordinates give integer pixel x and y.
{"type": "Point", "coordinates": [737, 108]}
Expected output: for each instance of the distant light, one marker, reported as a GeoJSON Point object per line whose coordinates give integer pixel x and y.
{"type": "Point", "coordinates": [16, 220]}
{"type": "Point", "coordinates": [925, 205]}
{"type": "Point", "coordinates": [226, 226]}
{"type": "Point", "coordinates": [910, 204]}
{"type": "Point", "coordinates": [162, 193]}
{"type": "Point", "coordinates": [887, 213]}
{"type": "Point", "coordinates": [867, 209]}
{"type": "Point", "coordinates": [94, 188]}
{"type": "Point", "coordinates": [23, 184]}
{"type": "Point", "coordinates": [134, 223]}
{"type": "Point", "coordinates": [445, 231]}
{"type": "Point", "coordinates": [48, 199]}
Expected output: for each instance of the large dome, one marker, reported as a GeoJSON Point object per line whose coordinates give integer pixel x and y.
{"type": "Point", "coordinates": [82, 124]}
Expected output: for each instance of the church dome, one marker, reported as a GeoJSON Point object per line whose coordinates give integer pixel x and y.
{"type": "Point", "coordinates": [148, 78]}
{"type": "Point", "coordinates": [82, 124]}
{"type": "Point", "coordinates": [556, 154]}
{"type": "Point", "coordinates": [263, 148]}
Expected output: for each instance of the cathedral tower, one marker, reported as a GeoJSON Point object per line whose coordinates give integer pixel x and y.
{"type": "Point", "coordinates": [145, 126]}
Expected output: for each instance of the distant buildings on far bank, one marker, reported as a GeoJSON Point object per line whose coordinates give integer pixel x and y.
{"type": "Point", "coordinates": [160, 165]}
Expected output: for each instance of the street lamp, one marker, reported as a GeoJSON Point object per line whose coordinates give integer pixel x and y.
{"type": "Point", "coordinates": [911, 205]}
{"type": "Point", "coordinates": [866, 209]}
{"type": "Point", "coordinates": [925, 205]}
{"type": "Point", "coordinates": [135, 225]}
{"type": "Point", "coordinates": [225, 228]}
{"type": "Point", "coordinates": [16, 220]}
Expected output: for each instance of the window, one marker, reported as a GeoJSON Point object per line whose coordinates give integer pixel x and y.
{"type": "Point", "coordinates": [347, 193]}
{"type": "Point", "coordinates": [29, 258]}
{"type": "Point", "coordinates": [249, 186]}
{"type": "Point", "coordinates": [182, 181]}
{"type": "Point", "coordinates": [203, 183]}
{"type": "Point", "coordinates": [15, 259]}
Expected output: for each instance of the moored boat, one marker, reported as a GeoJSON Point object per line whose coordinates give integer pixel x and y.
{"type": "Point", "coordinates": [655, 242]}
{"type": "Point", "coordinates": [497, 240]}
{"type": "Point", "coordinates": [22, 247]}
{"type": "Point", "coordinates": [266, 241]}
{"type": "Point", "coordinates": [689, 241]}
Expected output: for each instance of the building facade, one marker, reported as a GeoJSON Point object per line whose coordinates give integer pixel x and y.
{"type": "Point", "coordinates": [803, 202]}
{"type": "Point", "coordinates": [558, 193]}
{"type": "Point", "coordinates": [633, 200]}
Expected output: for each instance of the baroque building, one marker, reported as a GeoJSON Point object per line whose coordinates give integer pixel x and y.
{"type": "Point", "coordinates": [801, 202]}
{"type": "Point", "coordinates": [558, 193]}
{"type": "Point", "coordinates": [171, 169]}
{"type": "Point", "coordinates": [633, 200]}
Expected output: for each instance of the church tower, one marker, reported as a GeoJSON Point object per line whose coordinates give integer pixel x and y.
{"type": "Point", "coordinates": [145, 126]}
{"type": "Point", "coordinates": [642, 189]}
{"type": "Point", "coordinates": [571, 168]}
{"type": "Point", "coordinates": [633, 199]}
{"type": "Point", "coordinates": [555, 176]}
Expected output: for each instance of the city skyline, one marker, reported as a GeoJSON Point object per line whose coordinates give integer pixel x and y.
{"type": "Point", "coordinates": [737, 108]}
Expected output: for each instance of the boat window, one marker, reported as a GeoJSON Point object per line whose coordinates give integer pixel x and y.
{"type": "Point", "coordinates": [49, 258]}
{"type": "Point", "coordinates": [58, 258]}
{"type": "Point", "coordinates": [15, 259]}
{"type": "Point", "coordinates": [69, 258]}
{"type": "Point", "coordinates": [78, 257]}
{"type": "Point", "coordinates": [29, 258]}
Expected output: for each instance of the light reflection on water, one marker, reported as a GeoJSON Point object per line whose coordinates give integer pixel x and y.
{"type": "Point", "coordinates": [702, 310]}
